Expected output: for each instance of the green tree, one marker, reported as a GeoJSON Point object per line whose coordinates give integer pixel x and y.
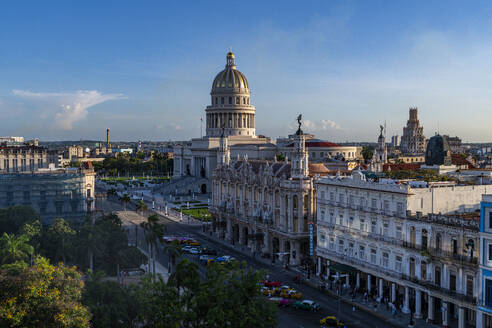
{"type": "Point", "coordinates": [58, 240]}
{"type": "Point", "coordinates": [13, 218]}
{"type": "Point", "coordinates": [111, 304]}
{"type": "Point", "coordinates": [173, 251]}
{"type": "Point", "coordinates": [153, 234]}
{"type": "Point", "coordinates": [125, 199]}
{"type": "Point", "coordinates": [142, 206]}
{"type": "Point", "coordinates": [42, 296]}
{"type": "Point", "coordinates": [14, 248]}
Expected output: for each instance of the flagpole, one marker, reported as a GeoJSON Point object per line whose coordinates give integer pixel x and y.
{"type": "Point", "coordinates": [201, 123]}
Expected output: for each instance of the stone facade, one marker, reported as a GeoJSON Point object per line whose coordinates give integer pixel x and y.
{"type": "Point", "coordinates": [23, 158]}
{"type": "Point", "coordinates": [53, 193]}
{"type": "Point", "coordinates": [413, 140]}
{"type": "Point", "coordinates": [393, 245]}
{"type": "Point", "coordinates": [267, 206]}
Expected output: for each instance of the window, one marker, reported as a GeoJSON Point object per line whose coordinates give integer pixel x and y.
{"type": "Point", "coordinates": [488, 292]}
{"type": "Point", "coordinates": [469, 285]}
{"type": "Point", "coordinates": [455, 246]}
{"type": "Point", "coordinates": [373, 203]}
{"type": "Point", "coordinates": [398, 260]}
{"type": "Point", "coordinates": [322, 238]}
{"type": "Point", "coordinates": [373, 256]}
{"type": "Point", "coordinates": [386, 228]}
{"type": "Point", "coordinates": [322, 195]}
{"type": "Point", "coordinates": [351, 222]}
{"type": "Point", "coordinates": [399, 207]}
{"type": "Point", "coordinates": [490, 220]}
{"type": "Point", "coordinates": [385, 261]}
{"type": "Point", "coordinates": [341, 198]}
{"type": "Point", "coordinates": [386, 205]}
{"type": "Point", "coordinates": [490, 252]}
{"type": "Point", "coordinates": [340, 246]}
{"type": "Point", "coordinates": [398, 233]}
{"type": "Point", "coordinates": [351, 199]}
{"type": "Point", "coordinates": [27, 196]}
{"type": "Point", "coordinates": [332, 196]}
{"type": "Point", "coordinates": [351, 249]}
{"type": "Point", "coordinates": [222, 100]}
{"type": "Point", "coordinates": [332, 243]}
{"type": "Point", "coordinates": [322, 217]}
{"type": "Point", "coordinates": [362, 253]}
{"type": "Point", "coordinates": [340, 219]}
{"type": "Point", "coordinates": [230, 100]}
{"type": "Point", "coordinates": [362, 225]}
{"type": "Point", "coordinates": [237, 101]}
{"type": "Point", "coordinates": [374, 224]}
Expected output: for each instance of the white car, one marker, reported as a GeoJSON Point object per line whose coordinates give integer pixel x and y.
{"type": "Point", "coordinates": [186, 249]}
{"type": "Point", "coordinates": [195, 250]}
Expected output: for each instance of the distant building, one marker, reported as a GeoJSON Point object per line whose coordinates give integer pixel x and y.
{"type": "Point", "coordinates": [380, 155]}
{"type": "Point", "coordinates": [11, 140]}
{"type": "Point", "coordinates": [395, 141]}
{"type": "Point", "coordinates": [411, 159]}
{"type": "Point", "coordinates": [413, 140]}
{"type": "Point", "coordinates": [25, 158]}
{"type": "Point", "coordinates": [454, 144]}
{"type": "Point", "coordinates": [53, 193]}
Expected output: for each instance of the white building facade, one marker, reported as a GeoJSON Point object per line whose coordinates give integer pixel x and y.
{"type": "Point", "coordinates": [385, 237]}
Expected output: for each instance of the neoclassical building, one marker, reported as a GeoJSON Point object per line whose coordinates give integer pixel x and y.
{"type": "Point", "coordinates": [416, 244]}
{"type": "Point", "coordinates": [231, 114]}
{"type": "Point", "coordinates": [268, 206]}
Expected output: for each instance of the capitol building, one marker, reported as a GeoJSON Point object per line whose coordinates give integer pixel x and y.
{"type": "Point", "coordinates": [232, 115]}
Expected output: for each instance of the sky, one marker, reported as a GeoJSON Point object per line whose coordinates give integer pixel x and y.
{"type": "Point", "coordinates": [144, 69]}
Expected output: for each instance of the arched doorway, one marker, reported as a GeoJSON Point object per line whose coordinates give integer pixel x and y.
{"type": "Point", "coordinates": [203, 188]}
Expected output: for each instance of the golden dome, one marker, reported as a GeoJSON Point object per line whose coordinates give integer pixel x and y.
{"type": "Point", "coordinates": [230, 77]}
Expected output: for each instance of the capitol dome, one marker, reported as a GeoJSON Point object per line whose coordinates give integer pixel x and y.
{"type": "Point", "coordinates": [230, 112]}
{"type": "Point", "coordinates": [230, 78]}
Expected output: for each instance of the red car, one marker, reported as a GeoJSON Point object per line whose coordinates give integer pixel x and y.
{"type": "Point", "coordinates": [271, 284]}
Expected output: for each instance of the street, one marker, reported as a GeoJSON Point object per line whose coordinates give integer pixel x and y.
{"type": "Point", "coordinates": [288, 317]}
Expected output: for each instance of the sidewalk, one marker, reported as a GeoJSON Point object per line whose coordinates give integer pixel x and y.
{"type": "Point", "coordinates": [371, 306]}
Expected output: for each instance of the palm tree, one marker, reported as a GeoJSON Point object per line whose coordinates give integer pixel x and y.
{"type": "Point", "coordinates": [142, 206]}
{"type": "Point", "coordinates": [125, 199]}
{"type": "Point", "coordinates": [173, 251]}
{"type": "Point", "coordinates": [153, 234]}
{"type": "Point", "coordinates": [14, 248]}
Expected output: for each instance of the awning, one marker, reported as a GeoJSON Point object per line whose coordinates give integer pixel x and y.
{"type": "Point", "coordinates": [342, 268]}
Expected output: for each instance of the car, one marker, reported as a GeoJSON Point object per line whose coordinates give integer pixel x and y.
{"type": "Point", "coordinates": [186, 249]}
{"type": "Point", "coordinates": [195, 250]}
{"type": "Point", "coordinates": [290, 293]}
{"type": "Point", "coordinates": [272, 283]}
{"type": "Point", "coordinates": [331, 322]}
{"type": "Point", "coordinates": [205, 258]}
{"type": "Point", "coordinates": [307, 305]}
{"type": "Point", "coordinates": [225, 259]}
{"type": "Point", "coordinates": [266, 291]}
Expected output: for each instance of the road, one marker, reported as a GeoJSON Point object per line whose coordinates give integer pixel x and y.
{"type": "Point", "coordinates": [288, 317]}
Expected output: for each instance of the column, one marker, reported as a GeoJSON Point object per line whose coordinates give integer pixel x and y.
{"type": "Point", "coordinates": [461, 317]}
{"type": "Point", "coordinates": [328, 269]}
{"type": "Point", "coordinates": [290, 212]}
{"type": "Point", "coordinates": [347, 281]}
{"type": "Point", "coordinates": [479, 319]}
{"type": "Point", "coordinates": [430, 312]}
{"type": "Point", "coordinates": [406, 308]}
{"type": "Point", "coordinates": [444, 313]}
{"type": "Point", "coordinates": [318, 268]}
{"type": "Point", "coordinates": [368, 284]}
{"type": "Point", "coordinates": [393, 293]}
{"type": "Point", "coordinates": [357, 280]}
{"type": "Point", "coordinates": [381, 288]}
{"type": "Point", "coordinates": [418, 304]}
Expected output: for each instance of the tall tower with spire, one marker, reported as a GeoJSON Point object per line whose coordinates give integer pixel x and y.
{"type": "Point", "coordinates": [300, 159]}
{"type": "Point", "coordinates": [223, 155]}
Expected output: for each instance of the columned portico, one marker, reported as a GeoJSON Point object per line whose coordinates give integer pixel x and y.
{"type": "Point", "coordinates": [418, 304]}
{"type": "Point", "coordinates": [406, 301]}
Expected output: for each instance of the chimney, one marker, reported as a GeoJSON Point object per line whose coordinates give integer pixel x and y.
{"type": "Point", "coordinates": [107, 139]}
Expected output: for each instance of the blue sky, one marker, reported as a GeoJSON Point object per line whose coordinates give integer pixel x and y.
{"type": "Point", "coordinates": [69, 70]}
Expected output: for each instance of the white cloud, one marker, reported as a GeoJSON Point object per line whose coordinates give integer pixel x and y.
{"type": "Point", "coordinates": [73, 105]}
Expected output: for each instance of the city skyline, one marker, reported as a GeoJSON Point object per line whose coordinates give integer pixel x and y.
{"type": "Point", "coordinates": [72, 70]}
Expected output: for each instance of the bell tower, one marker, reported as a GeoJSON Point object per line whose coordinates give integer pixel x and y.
{"type": "Point", "coordinates": [300, 159]}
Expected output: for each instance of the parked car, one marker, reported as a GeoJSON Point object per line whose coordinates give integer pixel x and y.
{"type": "Point", "coordinates": [290, 293]}
{"type": "Point", "coordinates": [307, 305]}
{"type": "Point", "coordinates": [272, 283]}
{"type": "Point", "coordinates": [331, 322]}
{"type": "Point", "coordinates": [195, 250]}
{"type": "Point", "coordinates": [205, 258]}
{"type": "Point", "coordinates": [186, 249]}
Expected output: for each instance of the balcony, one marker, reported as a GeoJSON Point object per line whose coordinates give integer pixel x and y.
{"type": "Point", "coordinates": [461, 258]}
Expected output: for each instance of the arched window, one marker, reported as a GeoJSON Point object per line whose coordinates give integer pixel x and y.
{"type": "Point", "coordinates": [244, 100]}
{"type": "Point", "coordinates": [237, 101]}
{"type": "Point", "coordinates": [438, 242]}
